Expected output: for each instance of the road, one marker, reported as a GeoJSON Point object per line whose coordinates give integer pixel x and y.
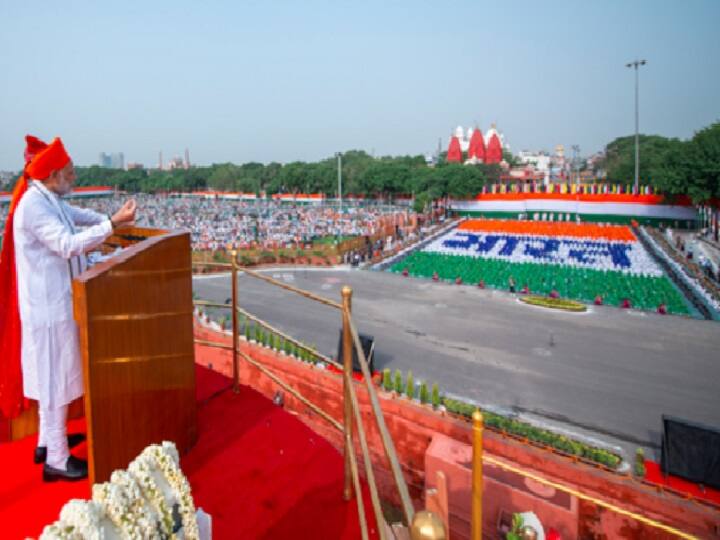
{"type": "Point", "coordinates": [607, 374]}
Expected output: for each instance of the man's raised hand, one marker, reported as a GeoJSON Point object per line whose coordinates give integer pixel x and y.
{"type": "Point", "coordinates": [125, 217]}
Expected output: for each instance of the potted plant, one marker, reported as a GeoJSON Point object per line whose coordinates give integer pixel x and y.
{"type": "Point", "coordinates": [398, 383]}
{"type": "Point", "coordinates": [410, 386]}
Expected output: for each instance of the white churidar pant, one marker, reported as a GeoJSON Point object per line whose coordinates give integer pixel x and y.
{"type": "Point", "coordinates": [54, 435]}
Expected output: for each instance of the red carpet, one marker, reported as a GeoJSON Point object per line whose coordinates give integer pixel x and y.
{"type": "Point", "coordinates": [654, 475]}
{"type": "Point", "coordinates": [259, 471]}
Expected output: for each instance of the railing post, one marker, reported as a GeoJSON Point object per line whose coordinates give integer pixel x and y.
{"type": "Point", "coordinates": [347, 380]}
{"type": "Point", "coordinates": [477, 477]}
{"type": "Point", "coordinates": [236, 367]}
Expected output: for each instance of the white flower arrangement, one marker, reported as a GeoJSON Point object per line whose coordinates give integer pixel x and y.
{"type": "Point", "coordinates": [137, 503]}
{"type": "Point", "coordinates": [142, 471]}
{"type": "Point", "coordinates": [85, 518]}
{"type": "Point", "coordinates": [60, 531]}
{"type": "Point", "coordinates": [166, 459]}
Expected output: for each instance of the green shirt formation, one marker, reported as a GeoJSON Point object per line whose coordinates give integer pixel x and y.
{"type": "Point", "coordinates": [575, 283]}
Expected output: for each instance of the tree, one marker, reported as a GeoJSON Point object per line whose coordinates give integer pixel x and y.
{"type": "Point", "coordinates": [620, 157]}
{"type": "Point", "coordinates": [704, 153]}
{"type": "Point", "coordinates": [462, 181]}
{"type": "Point", "coordinates": [223, 177]}
{"type": "Point", "coordinates": [672, 166]}
{"type": "Point", "coordinates": [422, 201]}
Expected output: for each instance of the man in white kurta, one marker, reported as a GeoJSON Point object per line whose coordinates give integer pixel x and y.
{"type": "Point", "coordinates": [50, 251]}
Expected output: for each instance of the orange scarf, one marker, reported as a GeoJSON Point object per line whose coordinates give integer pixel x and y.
{"type": "Point", "coordinates": [12, 401]}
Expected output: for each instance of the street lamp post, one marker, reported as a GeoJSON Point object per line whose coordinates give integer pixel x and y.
{"type": "Point", "coordinates": [339, 167]}
{"type": "Point", "coordinates": [575, 165]}
{"type": "Point", "coordinates": [636, 64]}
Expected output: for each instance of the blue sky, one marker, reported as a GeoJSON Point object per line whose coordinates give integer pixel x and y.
{"type": "Point", "coordinates": [282, 81]}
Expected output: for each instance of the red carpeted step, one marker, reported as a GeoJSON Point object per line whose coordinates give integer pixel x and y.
{"type": "Point", "coordinates": [27, 504]}
{"type": "Point", "coordinates": [259, 471]}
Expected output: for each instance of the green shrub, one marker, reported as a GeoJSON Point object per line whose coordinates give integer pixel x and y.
{"type": "Point", "coordinates": [247, 331]}
{"type": "Point", "coordinates": [398, 383]}
{"type": "Point", "coordinates": [289, 347]}
{"type": "Point", "coordinates": [258, 334]}
{"type": "Point", "coordinates": [640, 463]}
{"type": "Point", "coordinates": [435, 396]}
{"type": "Point", "coordinates": [387, 380]}
{"type": "Point", "coordinates": [423, 393]}
{"type": "Point", "coordinates": [410, 386]}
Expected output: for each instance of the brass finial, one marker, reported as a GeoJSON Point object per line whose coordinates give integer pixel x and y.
{"type": "Point", "coordinates": [427, 526]}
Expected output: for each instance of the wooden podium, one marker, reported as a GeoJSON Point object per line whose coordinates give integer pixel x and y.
{"type": "Point", "coordinates": [134, 314]}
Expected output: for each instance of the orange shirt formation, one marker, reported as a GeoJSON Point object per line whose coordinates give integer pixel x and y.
{"type": "Point", "coordinates": [593, 231]}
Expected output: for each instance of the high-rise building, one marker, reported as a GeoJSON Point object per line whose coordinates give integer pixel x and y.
{"type": "Point", "coordinates": [115, 160]}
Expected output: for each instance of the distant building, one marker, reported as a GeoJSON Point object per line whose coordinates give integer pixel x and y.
{"type": "Point", "coordinates": [176, 163]}
{"type": "Point", "coordinates": [116, 160]}
{"type": "Point", "coordinates": [537, 162]}
{"type": "Point", "coordinates": [132, 165]}
{"type": "Point", "coordinates": [478, 148]}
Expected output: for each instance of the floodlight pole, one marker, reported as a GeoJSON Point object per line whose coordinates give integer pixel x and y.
{"type": "Point", "coordinates": [636, 64]}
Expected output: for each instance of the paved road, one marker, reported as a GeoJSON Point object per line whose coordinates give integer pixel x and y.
{"type": "Point", "coordinates": [607, 373]}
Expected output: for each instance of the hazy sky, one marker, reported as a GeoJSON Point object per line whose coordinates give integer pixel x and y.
{"type": "Point", "coordinates": [272, 80]}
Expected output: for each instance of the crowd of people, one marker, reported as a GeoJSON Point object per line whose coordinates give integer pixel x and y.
{"type": "Point", "coordinates": [231, 224]}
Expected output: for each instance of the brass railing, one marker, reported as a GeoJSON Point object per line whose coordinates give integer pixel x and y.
{"type": "Point", "coordinates": [422, 525]}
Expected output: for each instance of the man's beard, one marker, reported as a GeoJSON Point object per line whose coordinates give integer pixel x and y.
{"type": "Point", "coordinates": [63, 187]}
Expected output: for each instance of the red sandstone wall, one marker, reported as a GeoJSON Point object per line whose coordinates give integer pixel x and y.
{"type": "Point", "coordinates": [412, 427]}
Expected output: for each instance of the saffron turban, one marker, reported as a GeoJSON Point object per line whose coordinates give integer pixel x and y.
{"type": "Point", "coordinates": [51, 159]}
{"type": "Point", "coordinates": [33, 146]}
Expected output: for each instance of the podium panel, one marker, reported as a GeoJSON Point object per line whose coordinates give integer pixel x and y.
{"type": "Point", "coordinates": [134, 315]}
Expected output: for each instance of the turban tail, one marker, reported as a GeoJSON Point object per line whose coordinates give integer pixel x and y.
{"type": "Point", "coordinates": [11, 388]}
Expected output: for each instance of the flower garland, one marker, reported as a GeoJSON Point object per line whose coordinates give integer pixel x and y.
{"type": "Point", "coordinates": [142, 470]}
{"type": "Point", "coordinates": [168, 461]}
{"type": "Point", "coordinates": [125, 505]}
{"type": "Point", "coordinates": [84, 517]}
{"type": "Point", "coordinates": [137, 503]}
{"type": "Point", "coordinates": [60, 531]}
